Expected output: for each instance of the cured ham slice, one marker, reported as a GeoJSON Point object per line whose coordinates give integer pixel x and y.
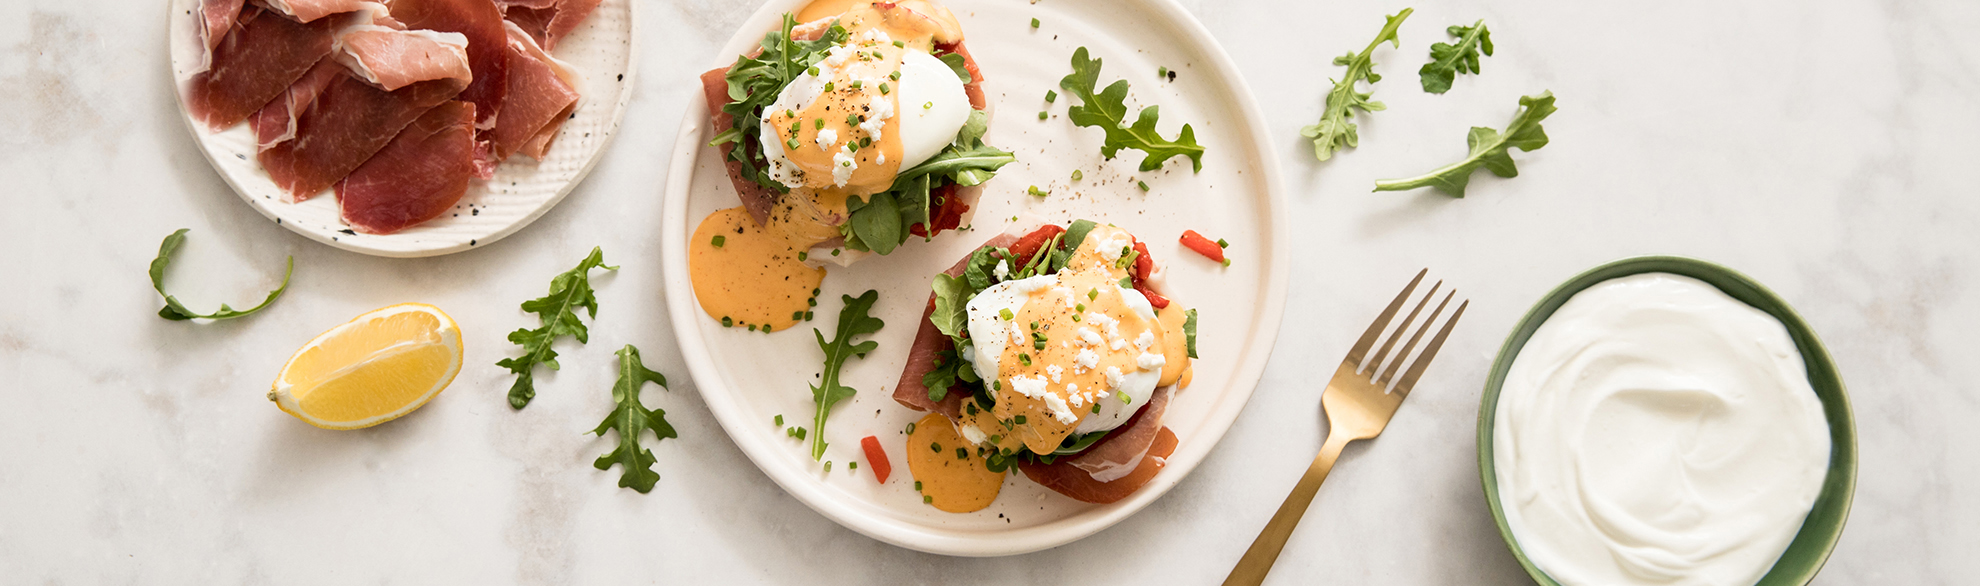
{"type": "Point", "coordinates": [930, 342]}
{"type": "Point", "coordinates": [348, 123]}
{"type": "Point", "coordinates": [391, 59]}
{"type": "Point", "coordinates": [1120, 453]}
{"type": "Point", "coordinates": [216, 17]}
{"type": "Point", "coordinates": [311, 10]}
{"type": "Point", "coordinates": [487, 51]}
{"type": "Point", "coordinates": [542, 93]}
{"type": "Point", "coordinates": [415, 178]}
{"type": "Point", "coordinates": [1065, 479]}
{"type": "Point", "coordinates": [261, 57]}
{"type": "Point", "coordinates": [547, 21]}
{"type": "Point", "coordinates": [276, 122]}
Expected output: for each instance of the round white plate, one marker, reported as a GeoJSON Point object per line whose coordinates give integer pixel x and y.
{"type": "Point", "coordinates": [749, 378]}
{"type": "Point", "coordinates": [602, 49]}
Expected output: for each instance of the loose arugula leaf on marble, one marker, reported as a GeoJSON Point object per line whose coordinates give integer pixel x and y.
{"type": "Point", "coordinates": [854, 320]}
{"type": "Point", "coordinates": [557, 311]}
{"type": "Point", "coordinates": [176, 311]}
{"type": "Point", "coordinates": [756, 81]}
{"type": "Point", "coordinates": [1489, 149]}
{"type": "Point", "coordinates": [1107, 110]}
{"type": "Point", "coordinates": [631, 418]}
{"type": "Point", "coordinates": [1336, 129]}
{"type": "Point", "coordinates": [1447, 60]}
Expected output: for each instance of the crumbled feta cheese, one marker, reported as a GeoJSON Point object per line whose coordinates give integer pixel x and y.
{"type": "Point", "coordinates": [1003, 269]}
{"type": "Point", "coordinates": [1114, 377]}
{"type": "Point", "coordinates": [1029, 386]}
{"type": "Point", "coordinates": [1146, 339]}
{"type": "Point", "coordinates": [1090, 338]}
{"type": "Point", "coordinates": [1151, 361]}
{"type": "Point", "coordinates": [1060, 410]}
{"type": "Point", "coordinates": [1057, 372]}
{"type": "Point", "coordinates": [1085, 360]}
{"type": "Point", "coordinates": [826, 138]}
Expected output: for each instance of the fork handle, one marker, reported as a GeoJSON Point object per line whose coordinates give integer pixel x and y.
{"type": "Point", "coordinates": [1257, 561]}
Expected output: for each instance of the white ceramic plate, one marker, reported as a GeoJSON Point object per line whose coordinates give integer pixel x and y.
{"type": "Point", "coordinates": [602, 49]}
{"type": "Point", "coordinates": [749, 378]}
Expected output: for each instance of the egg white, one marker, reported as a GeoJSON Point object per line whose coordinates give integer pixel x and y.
{"type": "Point", "coordinates": [933, 108]}
{"type": "Point", "coordinates": [989, 333]}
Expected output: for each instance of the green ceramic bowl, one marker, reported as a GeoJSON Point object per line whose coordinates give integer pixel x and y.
{"type": "Point", "coordinates": [1810, 548]}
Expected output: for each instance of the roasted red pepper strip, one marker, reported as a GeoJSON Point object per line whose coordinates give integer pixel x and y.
{"type": "Point", "coordinates": [1204, 246]}
{"type": "Point", "coordinates": [1026, 247]}
{"type": "Point", "coordinates": [876, 458]}
{"type": "Point", "coordinates": [1143, 266]}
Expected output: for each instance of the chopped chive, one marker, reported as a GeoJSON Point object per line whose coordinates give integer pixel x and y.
{"type": "Point", "coordinates": [1034, 23]}
{"type": "Point", "coordinates": [818, 124]}
{"type": "Point", "coordinates": [936, 447]}
{"type": "Point", "coordinates": [1125, 399]}
{"type": "Point", "coordinates": [1025, 358]}
{"type": "Point", "coordinates": [883, 88]}
{"type": "Point", "coordinates": [717, 240]}
{"type": "Point", "coordinates": [812, 71]}
{"type": "Point", "coordinates": [900, 44]}
{"type": "Point", "coordinates": [752, 327]}
{"type": "Point", "coordinates": [865, 141]}
{"type": "Point", "coordinates": [1006, 314]}
{"type": "Point", "coordinates": [1096, 407]}
{"type": "Point", "coordinates": [780, 421]}
{"type": "Point", "coordinates": [962, 453]}
{"type": "Point", "coordinates": [852, 465]}
{"type": "Point", "coordinates": [835, 252]}
{"type": "Point", "coordinates": [1092, 294]}
{"type": "Point", "coordinates": [828, 465]}
{"type": "Point", "coordinates": [928, 105]}
{"type": "Point", "coordinates": [927, 500]}
{"type": "Point", "coordinates": [852, 120]}
{"type": "Point", "coordinates": [728, 323]}
{"type": "Point", "coordinates": [1051, 96]}
{"type": "Point", "coordinates": [1075, 317]}
{"type": "Point", "coordinates": [1162, 72]}
{"type": "Point", "coordinates": [1077, 175]}
{"type": "Point", "coordinates": [814, 302]}
{"type": "Point", "coordinates": [1079, 307]}
{"type": "Point", "coordinates": [1227, 262]}
{"type": "Point", "coordinates": [996, 439]}
{"type": "Point", "coordinates": [1036, 192]}
{"type": "Point", "coordinates": [1127, 283]}
{"type": "Point", "coordinates": [1221, 243]}
{"type": "Point", "coordinates": [858, 84]}
{"type": "Point", "coordinates": [807, 316]}
{"type": "Point", "coordinates": [996, 385]}
{"type": "Point", "coordinates": [802, 255]}
{"type": "Point", "coordinates": [896, 75]}
{"type": "Point", "coordinates": [1143, 184]}
{"type": "Point", "coordinates": [853, 146]}
{"type": "Point", "coordinates": [1020, 420]}
{"type": "Point", "coordinates": [917, 486]}
{"type": "Point", "coordinates": [793, 144]}
{"type": "Point", "coordinates": [797, 315]}
{"type": "Point", "coordinates": [1034, 325]}
{"type": "Point", "coordinates": [910, 430]}
{"type": "Point", "coordinates": [1042, 115]}
{"type": "Point", "coordinates": [828, 87]}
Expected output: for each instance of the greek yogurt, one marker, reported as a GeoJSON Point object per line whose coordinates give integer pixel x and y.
{"type": "Point", "coordinates": [1655, 430]}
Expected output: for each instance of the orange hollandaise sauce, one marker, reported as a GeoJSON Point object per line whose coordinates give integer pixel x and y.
{"type": "Point", "coordinates": [1175, 345]}
{"type": "Point", "coordinates": [947, 469]}
{"type": "Point", "coordinates": [746, 276]}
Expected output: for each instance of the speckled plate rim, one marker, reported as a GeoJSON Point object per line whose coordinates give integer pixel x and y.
{"type": "Point", "coordinates": [1812, 545]}
{"type": "Point", "coordinates": [409, 243]}
{"type": "Point", "coordinates": [754, 443]}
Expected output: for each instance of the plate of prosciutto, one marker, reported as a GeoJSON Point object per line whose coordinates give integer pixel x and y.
{"type": "Point", "coordinates": [403, 128]}
{"type": "Point", "coordinates": [945, 290]}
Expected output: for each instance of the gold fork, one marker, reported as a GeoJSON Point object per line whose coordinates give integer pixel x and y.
{"type": "Point", "coordinates": [1357, 408]}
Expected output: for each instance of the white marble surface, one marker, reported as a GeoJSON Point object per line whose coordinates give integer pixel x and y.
{"type": "Point", "coordinates": [1822, 147]}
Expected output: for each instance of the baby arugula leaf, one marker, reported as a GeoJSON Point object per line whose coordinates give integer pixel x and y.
{"type": "Point", "coordinates": [1335, 129]}
{"type": "Point", "coordinates": [1446, 60]}
{"type": "Point", "coordinates": [853, 321]}
{"type": "Point", "coordinates": [176, 311]}
{"type": "Point", "coordinates": [558, 313]}
{"type": "Point", "coordinates": [1488, 149]}
{"type": "Point", "coordinates": [1108, 111]}
{"type": "Point", "coordinates": [630, 419]}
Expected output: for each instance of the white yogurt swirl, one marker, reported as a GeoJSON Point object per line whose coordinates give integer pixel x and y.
{"type": "Point", "coordinates": [1656, 431]}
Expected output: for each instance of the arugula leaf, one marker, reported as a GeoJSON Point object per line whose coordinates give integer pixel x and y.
{"type": "Point", "coordinates": [1189, 331]}
{"type": "Point", "coordinates": [956, 63]}
{"type": "Point", "coordinates": [880, 222]}
{"type": "Point", "coordinates": [755, 82]}
{"type": "Point", "coordinates": [853, 321]}
{"type": "Point", "coordinates": [1335, 129]}
{"type": "Point", "coordinates": [952, 296]}
{"type": "Point", "coordinates": [176, 311]}
{"type": "Point", "coordinates": [1488, 149]}
{"type": "Point", "coordinates": [569, 291]}
{"type": "Point", "coordinates": [1108, 111]}
{"type": "Point", "coordinates": [1446, 60]}
{"type": "Point", "coordinates": [631, 418]}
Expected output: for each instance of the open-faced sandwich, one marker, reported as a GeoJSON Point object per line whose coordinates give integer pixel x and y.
{"type": "Point", "coordinates": [1050, 351]}
{"type": "Point", "coordinates": [854, 126]}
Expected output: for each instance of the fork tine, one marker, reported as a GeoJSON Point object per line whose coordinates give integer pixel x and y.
{"type": "Point", "coordinates": [1422, 362]}
{"type": "Point", "coordinates": [1391, 373]}
{"type": "Point", "coordinates": [1374, 365]}
{"type": "Point", "coordinates": [1375, 330]}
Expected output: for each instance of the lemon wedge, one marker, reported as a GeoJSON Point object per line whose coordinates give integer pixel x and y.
{"type": "Point", "coordinates": [376, 368]}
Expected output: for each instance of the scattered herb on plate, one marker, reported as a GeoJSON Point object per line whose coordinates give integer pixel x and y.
{"type": "Point", "coordinates": [1107, 110]}
{"type": "Point", "coordinates": [1489, 149]}
{"type": "Point", "coordinates": [569, 291]}
{"type": "Point", "coordinates": [854, 320]}
{"type": "Point", "coordinates": [176, 311]}
{"type": "Point", "coordinates": [630, 419]}
{"type": "Point", "coordinates": [1447, 60]}
{"type": "Point", "coordinates": [1336, 129]}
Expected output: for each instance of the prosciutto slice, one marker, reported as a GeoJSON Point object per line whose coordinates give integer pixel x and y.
{"type": "Point", "coordinates": [1065, 479]}
{"type": "Point", "coordinates": [253, 64]}
{"type": "Point", "coordinates": [311, 10]}
{"type": "Point", "coordinates": [930, 342]}
{"type": "Point", "coordinates": [1120, 453]}
{"type": "Point", "coordinates": [391, 59]}
{"type": "Point", "coordinates": [415, 178]}
{"type": "Point", "coordinates": [276, 122]}
{"type": "Point", "coordinates": [547, 21]}
{"type": "Point", "coordinates": [348, 123]}
{"type": "Point", "coordinates": [216, 17]}
{"type": "Point", "coordinates": [541, 96]}
{"type": "Point", "coordinates": [487, 51]}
